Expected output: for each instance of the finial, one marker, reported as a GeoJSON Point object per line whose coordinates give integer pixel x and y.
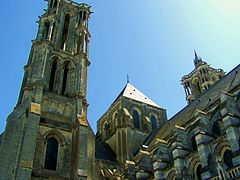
{"type": "Point", "coordinates": [128, 78]}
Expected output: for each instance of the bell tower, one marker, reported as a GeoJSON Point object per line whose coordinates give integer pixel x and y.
{"type": "Point", "coordinates": [47, 135]}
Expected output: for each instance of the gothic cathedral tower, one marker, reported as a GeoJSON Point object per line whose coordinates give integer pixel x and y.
{"type": "Point", "coordinates": [47, 135]}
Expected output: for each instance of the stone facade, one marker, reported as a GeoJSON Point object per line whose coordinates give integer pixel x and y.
{"type": "Point", "coordinates": [47, 135]}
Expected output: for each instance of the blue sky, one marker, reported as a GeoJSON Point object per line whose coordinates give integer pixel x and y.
{"type": "Point", "coordinates": [151, 40]}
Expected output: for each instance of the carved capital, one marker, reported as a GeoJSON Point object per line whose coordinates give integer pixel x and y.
{"type": "Point", "coordinates": [82, 120]}
{"type": "Point", "coordinates": [35, 108]}
{"type": "Point", "coordinates": [26, 164]}
{"type": "Point", "coordinates": [82, 172]}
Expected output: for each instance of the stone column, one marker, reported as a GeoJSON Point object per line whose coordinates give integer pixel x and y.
{"type": "Point", "coordinates": [231, 121]}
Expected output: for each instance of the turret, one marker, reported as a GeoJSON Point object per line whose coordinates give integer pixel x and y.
{"type": "Point", "coordinates": [200, 79]}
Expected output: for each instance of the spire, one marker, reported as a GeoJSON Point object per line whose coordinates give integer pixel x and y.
{"type": "Point", "coordinates": [197, 59]}
{"type": "Point", "coordinates": [196, 56]}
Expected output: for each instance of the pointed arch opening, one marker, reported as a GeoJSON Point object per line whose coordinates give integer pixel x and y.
{"type": "Point", "coordinates": [53, 75]}
{"type": "Point", "coordinates": [65, 31]}
{"type": "Point", "coordinates": [227, 158]}
{"type": "Point", "coordinates": [194, 144]}
{"type": "Point", "coordinates": [65, 78]}
{"type": "Point", "coordinates": [46, 30]}
{"type": "Point", "coordinates": [83, 18]}
{"type": "Point", "coordinates": [199, 172]}
{"type": "Point", "coordinates": [51, 154]}
{"type": "Point", "coordinates": [217, 128]}
{"type": "Point", "coordinates": [136, 119]}
{"type": "Point", "coordinates": [154, 122]}
{"type": "Point", "coordinates": [53, 31]}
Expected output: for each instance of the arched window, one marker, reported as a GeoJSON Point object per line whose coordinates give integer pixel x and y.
{"type": "Point", "coordinates": [52, 75]}
{"type": "Point", "coordinates": [46, 30]}
{"type": "Point", "coordinates": [198, 172]}
{"type": "Point", "coordinates": [51, 154]}
{"type": "Point", "coordinates": [227, 158]}
{"type": "Point", "coordinates": [194, 144]}
{"type": "Point", "coordinates": [154, 123]}
{"type": "Point", "coordinates": [65, 78]}
{"type": "Point", "coordinates": [217, 128]}
{"type": "Point", "coordinates": [136, 119]}
{"type": "Point", "coordinates": [65, 31]}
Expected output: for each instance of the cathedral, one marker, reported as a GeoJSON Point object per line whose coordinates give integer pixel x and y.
{"type": "Point", "coordinates": [48, 136]}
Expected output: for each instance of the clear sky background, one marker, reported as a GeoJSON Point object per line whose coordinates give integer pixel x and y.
{"type": "Point", "coordinates": [151, 40]}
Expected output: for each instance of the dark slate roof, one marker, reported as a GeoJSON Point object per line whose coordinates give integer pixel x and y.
{"type": "Point", "coordinates": [104, 152]}
{"type": "Point", "coordinates": [228, 82]}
